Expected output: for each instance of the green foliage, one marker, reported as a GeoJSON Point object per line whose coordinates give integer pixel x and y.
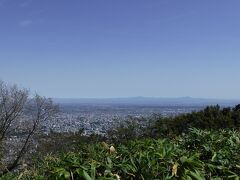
{"type": "Point", "coordinates": [64, 142]}
{"type": "Point", "coordinates": [219, 149]}
{"type": "Point", "coordinates": [212, 117]}
{"type": "Point", "coordinates": [156, 126]}
{"type": "Point", "coordinates": [128, 129]}
{"type": "Point", "coordinates": [198, 154]}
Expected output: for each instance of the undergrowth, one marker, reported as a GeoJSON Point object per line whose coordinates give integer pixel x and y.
{"type": "Point", "coordinates": [198, 154]}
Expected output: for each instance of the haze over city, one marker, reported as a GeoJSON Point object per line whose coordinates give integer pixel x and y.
{"type": "Point", "coordinates": [102, 49]}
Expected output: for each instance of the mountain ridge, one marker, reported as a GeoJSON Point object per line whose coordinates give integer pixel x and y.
{"type": "Point", "coordinates": [149, 100]}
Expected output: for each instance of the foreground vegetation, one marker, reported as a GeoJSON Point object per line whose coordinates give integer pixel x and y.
{"type": "Point", "coordinates": [199, 154]}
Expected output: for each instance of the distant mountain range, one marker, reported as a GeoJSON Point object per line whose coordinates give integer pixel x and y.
{"type": "Point", "coordinates": [149, 101]}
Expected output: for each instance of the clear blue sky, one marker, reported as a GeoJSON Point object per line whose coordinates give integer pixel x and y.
{"type": "Point", "coordinates": [122, 48]}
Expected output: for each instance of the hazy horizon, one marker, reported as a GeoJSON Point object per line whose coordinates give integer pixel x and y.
{"type": "Point", "coordinates": [107, 49]}
{"type": "Point", "coordinates": [148, 101]}
{"type": "Point", "coordinates": [150, 97]}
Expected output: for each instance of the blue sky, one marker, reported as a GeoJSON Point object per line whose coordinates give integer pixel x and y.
{"type": "Point", "coordinates": [122, 48]}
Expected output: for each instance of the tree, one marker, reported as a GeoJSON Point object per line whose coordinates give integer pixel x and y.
{"type": "Point", "coordinates": [14, 104]}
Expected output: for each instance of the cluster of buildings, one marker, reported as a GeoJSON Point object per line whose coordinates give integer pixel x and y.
{"type": "Point", "coordinates": [98, 119]}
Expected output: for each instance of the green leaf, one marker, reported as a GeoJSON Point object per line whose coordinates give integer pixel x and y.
{"type": "Point", "coordinates": [214, 156]}
{"type": "Point", "coordinates": [196, 175]}
{"type": "Point", "coordinates": [86, 176]}
{"type": "Point", "coordinates": [93, 171]}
